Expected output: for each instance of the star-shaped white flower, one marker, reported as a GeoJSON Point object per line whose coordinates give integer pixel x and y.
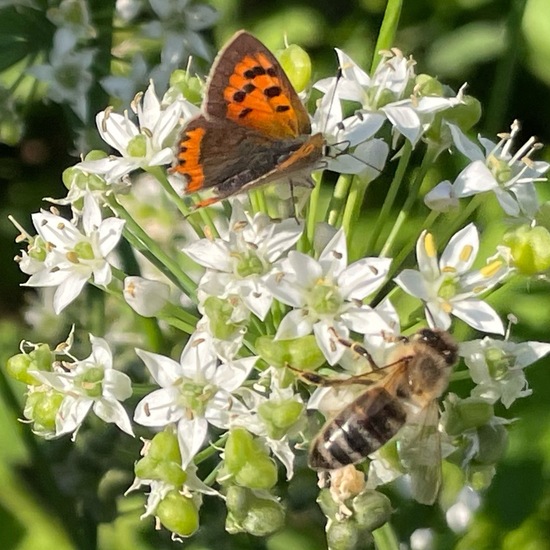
{"type": "Point", "coordinates": [194, 392]}
{"type": "Point", "coordinates": [148, 144]}
{"type": "Point", "coordinates": [510, 177]}
{"type": "Point", "coordinates": [327, 295]}
{"type": "Point", "coordinates": [241, 261]}
{"type": "Point", "coordinates": [74, 257]}
{"type": "Point", "coordinates": [92, 383]}
{"type": "Point", "coordinates": [448, 287]}
{"type": "Point", "coordinates": [496, 366]}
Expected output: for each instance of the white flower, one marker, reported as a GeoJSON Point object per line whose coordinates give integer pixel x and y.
{"type": "Point", "coordinates": [510, 177]}
{"type": "Point", "coordinates": [241, 262]}
{"type": "Point", "coordinates": [145, 296]}
{"type": "Point", "coordinates": [193, 393]}
{"type": "Point", "coordinates": [68, 75]}
{"type": "Point", "coordinates": [383, 97]}
{"type": "Point", "coordinates": [448, 287]}
{"type": "Point", "coordinates": [496, 366]}
{"type": "Point", "coordinates": [72, 256]}
{"type": "Point", "coordinates": [328, 295]}
{"type": "Point", "coordinates": [150, 144]}
{"type": "Point", "coordinates": [92, 383]}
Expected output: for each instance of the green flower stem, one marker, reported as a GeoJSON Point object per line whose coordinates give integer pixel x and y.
{"type": "Point", "coordinates": [386, 36]}
{"type": "Point", "coordinates": [210, 479]}
{"type": "Point", "coordinates": [384, 537]}
{"type": "Point", "coordinates": [174, 311]}
{"type": "Point", "coordinates": [353, 206]}
{"type": "Point", "coordinates": [403, 215]}
{"type": "Point", "coordinates": [257, 200]}
{"type": "Point", "coordinates": [374, 233]}
{"type": "Point", "coordinates": [312, 211]}
{"type": "Point", "coordinates": [460, 375]}
{"type": "Point", "coordinates": [95, 310]}
{"type": "Point", "coordinates": [212, 449]}
{"type": "Point", "coordinates": [152, 251]}
{"type": "Point", "coordinates": [341, 190]}
{"type": "Point", "coordinates": [465, 214]}
{"type": "Point", "coordinates": [160, 175]}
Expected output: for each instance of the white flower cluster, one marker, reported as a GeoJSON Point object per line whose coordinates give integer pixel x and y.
{"type": "Point", "coordinates": [272, 293]}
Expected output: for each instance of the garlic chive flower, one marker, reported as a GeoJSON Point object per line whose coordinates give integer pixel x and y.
{"type": "Point", "coordinates": [448, 287]}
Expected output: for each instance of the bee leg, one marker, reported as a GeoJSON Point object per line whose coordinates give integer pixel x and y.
{"type": "Point", "coordinates": [356, 348]}
{"type": "Point", "coordinates": [320, 380]}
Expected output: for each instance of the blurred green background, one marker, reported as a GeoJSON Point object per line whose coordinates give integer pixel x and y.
{"type": "Point", "coordinates": [501, 48]}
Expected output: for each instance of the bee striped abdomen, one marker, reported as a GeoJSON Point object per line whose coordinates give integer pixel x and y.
{"type": "Point", "coordinates": [357, 430]}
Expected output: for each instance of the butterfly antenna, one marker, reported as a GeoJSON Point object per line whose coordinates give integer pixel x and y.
{"type": "Point", "coordinates": [332, 97]}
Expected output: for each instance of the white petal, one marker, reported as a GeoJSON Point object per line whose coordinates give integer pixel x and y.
{"type": "Point", "coordinates": [283, 237]}
{"type": "Point", "coordinates": [102, 274]}
{"type": "Point", "coordinates": [365, 320]}
{"type": "Point", "coordinates": [110, 231]}
{"type": "Point", "coordinates": [294, 325]}
{"type": "Point", "coordinates": [529, 352]}
{"type": "Point", "coordinates": [113, 412]}
{"type": "Point", "coordinates": [405, 120]}
{"type": "Point", "coordinates": [467, 147]}
{"type": "Point", "coordinates": [362, 278]}
{"type": "Point", "coordinates": [526, 195]}
{"type": "Point", "coordinates": [327, 343]}
{"type": "Point", "coordinates": [437, 318]}
{"type": "Point", "coordinates": [56, 230]}
{"type": "Point", "coordinates": [116, 130]}
{"type": "Point", "coordinates": [71, 414]}
{"type": "Point", "coordinates": [91, 218]}
{"type": "Point", "coordinates": [257, 300]}
{"type": "Point", "coordinates": [412, 282]}
{"type": "Point", "coordinates": [475, 178]}
{"type": "Point", "coordinates": [460, 253]}
{"type": "Point", "coordinates": [191, 436]}
{"type": "Point", "coordinates": [159, 408]}
{"type": "Point", "coordinates": [164, 370]}
{"type": "Point", "coordinates": [213, 254]}
{"type": "Point", "coordinates": [68, 291]}
{"type": "Point", "coordinates": [507, 202]}
{"type": "Point", "coordinates": [479, 315]}
{"type": "Point", "coordinates": [426, 256]}
{"type": "Point", "coordinates": [101, 352]}
{"type": "Point", "coordinates": [231, 376]}
{"type": "Point", "coordinates": [117, 385]}
{"type": "Point", "coordinates": [198, 359]}
{"type": "Point", "coordinates": [334, 257]}
{"type": "Point", "coordinates": [441, 198]}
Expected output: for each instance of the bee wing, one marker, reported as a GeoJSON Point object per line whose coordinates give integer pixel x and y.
{"type": "Point", "coordinates": [420, 452]}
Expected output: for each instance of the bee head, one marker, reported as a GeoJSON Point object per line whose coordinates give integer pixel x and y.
{"type": "Point", "coordinates": [440, 341]}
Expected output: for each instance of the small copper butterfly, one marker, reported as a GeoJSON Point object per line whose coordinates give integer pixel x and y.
{"type": "Point", "coordinates": [253, 128]}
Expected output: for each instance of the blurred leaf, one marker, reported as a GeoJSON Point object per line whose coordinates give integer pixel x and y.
{"type": "Point", "coordinates": [536, 28]}
{"type": "Point", "coordinates": [454, 54]}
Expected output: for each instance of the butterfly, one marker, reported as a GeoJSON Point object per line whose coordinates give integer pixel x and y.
{"type": "Point", "coordinates": [253, 128]}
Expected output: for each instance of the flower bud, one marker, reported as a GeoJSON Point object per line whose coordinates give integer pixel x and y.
{"type": "Point", "coordinates": [220, 314]}
{"type": "Point", "coordinates": [465, 114]}
{"type": "Point", "coordinates": [280, 417]}
{"type": "Point", "coordinates": [464, 414]}
{"type": "Point", "coordinates": [18, 367]}
{"type": "Point", "coordinates": [42, 408]}
{"type": "Point", "coordinates": [265, 516]}
{"type": "Point", "coordinates": [328, 505]}
{"type": "Point", "coordinates": [371, 509]}
{"type": "Point", "coordinates": [145, 296]}
{"type": "Point", "coordinates": [190, 87]}
{"type": "Point", "coordinates": [301, 353]}
{"type": "Point", "coordinates": [493, 441]}
{"type": "Point", "coordinates": [236, 501]}
{"type": "Point", "coordinates": [297, 65]}
{"type": "Point", "coordinates": [427, 85]}
{"type": "Point", "coordinates": [164, 446]}
{"type": "Point", "coordinates": [178, 514]}
{"type": "Point", "coordinates": [530, 247]}
{"type": "Point", "coordinates": [260, 473]}
{"type": "Point", "coordinates": [480, 476]}
{"type": "Point", "coordinates": [346, 535]}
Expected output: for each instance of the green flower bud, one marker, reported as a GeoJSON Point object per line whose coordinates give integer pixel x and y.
{"type": "Point", "coordinates": [530, 248]}
{"type": "Point", "coordinates": [178, 514]}
{"type": "Point", "coordinates": [42, 358]}
{"type": "Point", "coordinates": [219, 312]}
{"type": "Point", "coordinates": [493, 441]}
{"type": "Point", "coordinates": [42, 408]}
{"type": "Point", "coordinates": [18, 367]}
{"type": "Point", "coordinates": [239, 448]}
{"type": "Point", "coordinates": [371, 509]}
{"type": "Point", "coordinates": [237, 501]}
{"type": "Point", "coordinates": [164, 446]}
{"type": "Point", "coordinates": [466, 114]}
{"type": "Point", "coordinates": [96, 154]}
{"type": "Point", "coordinates": [327, 504]}
{"type": "Point", "coordinates": [260, 473]}
{"type": "Point", "coordinates": [280, 417]}
{"type": "Point", "coordinates": [191, 87]}
{"type": "Point", "coordinates": [464, 414]}
{"type": "Point", "coordinates": [264, 517]}
{"type": "Point", "coordinates": [346, 535]}
{"type": "Point", "coordinates": [301, 353]}
{"type": "Point", "coordinates": [480, 476]}
{"type": "Point", "coordinates": [297, 65]}
{"type": "Point", "coordinates": [427, 85]}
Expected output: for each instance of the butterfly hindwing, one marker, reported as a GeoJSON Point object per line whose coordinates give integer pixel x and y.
{"type": "Point", "coordinates": [248, 86]}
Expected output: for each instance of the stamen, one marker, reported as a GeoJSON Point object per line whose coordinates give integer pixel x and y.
{"type": "Point", "coordinates": [429, 245]}
{"type": "Point", "coordinates": [490, 269]}
{"type": "Point", "coordinates": [466, 253]}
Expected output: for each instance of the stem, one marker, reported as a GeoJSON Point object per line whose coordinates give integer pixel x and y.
{"type": "Point", "coordinates": [386, 36]}
{"type": "Point", "coordinates": [152, 251]}
{"type": "Point", "coordinates": [374, 233]}
{"type": "Point", "coordinates": [385, 538]}
{"type": "Point", "coordinates": [462, 216]}
{"type": "Point", "coordinates": [353, 206]}
{"type": "Point", "coordinates": [341, 191]}
{"type": "Point", "coordinates": [313, 206]}
{"type": "Point", "coordinates": [409, 202]}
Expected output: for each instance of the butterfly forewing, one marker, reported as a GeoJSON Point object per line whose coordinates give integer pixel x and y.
{"type": "Point", "coordinates": [248, 86]}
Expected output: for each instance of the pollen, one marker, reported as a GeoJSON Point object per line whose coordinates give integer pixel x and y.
{"type": "Point", "coordinates": [490, 269]}
{"type": "Point", "coordinates": [429, 245]}
{"type": "Point", "coordinates": [447, 307]}
{"type": "Point", "coordinates": [72, 256]}
{"type": "Point", "coordinates": [466, 253]}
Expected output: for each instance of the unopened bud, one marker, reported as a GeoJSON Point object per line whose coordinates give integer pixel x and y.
{"type": "Point", "coordinates": [178, 514]}
{"type": "Point", "coordinates": [145, 296]}
{"type": "Point", "coordinates": [301, 353]}
{"type": "Point", "coordinates": [297, 65]}
{"type": "Point", "coordinates": [530, 247]}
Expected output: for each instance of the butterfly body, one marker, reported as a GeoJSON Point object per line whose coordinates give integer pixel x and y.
{"type": "Point", "coordinates": [253, 129]}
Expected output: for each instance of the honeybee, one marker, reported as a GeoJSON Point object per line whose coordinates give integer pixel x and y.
{"type": "Point", "coordinates": [403, 396]}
